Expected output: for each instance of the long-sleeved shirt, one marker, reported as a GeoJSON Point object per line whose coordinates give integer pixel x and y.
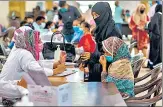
{"type": "Point", "coordinates": [19, 62]}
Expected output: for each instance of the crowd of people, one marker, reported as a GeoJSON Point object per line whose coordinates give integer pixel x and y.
{"type": "Point", "coordinates": [106, 56]}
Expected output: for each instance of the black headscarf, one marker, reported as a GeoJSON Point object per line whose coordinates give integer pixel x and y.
{"type": "Point", "coordinates": [158, 8]}
{"type": "Point", "coordinates": [105, 25]}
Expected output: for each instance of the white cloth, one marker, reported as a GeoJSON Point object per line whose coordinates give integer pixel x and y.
{"type": "Point", "coordinates": [19, 62]}
{"type": "Point", "coordinates": [152, 11]}
{"type": "Point", "coordinates": [10, 89]}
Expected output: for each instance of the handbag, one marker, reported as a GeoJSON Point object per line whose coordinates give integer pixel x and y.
{"type": "Point", "coordinates": [50, 47]}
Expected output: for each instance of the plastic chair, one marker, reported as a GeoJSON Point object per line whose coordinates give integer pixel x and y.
{"type": "Point", "coordinates": [136, 66]}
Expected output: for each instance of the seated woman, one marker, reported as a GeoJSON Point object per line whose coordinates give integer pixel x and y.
{"type": "Point", "coordinates": [24, 57]}
{"type": "Point", "coordinates": [87, 41]}
{"type": "Point", "coordinates": [117, 56]}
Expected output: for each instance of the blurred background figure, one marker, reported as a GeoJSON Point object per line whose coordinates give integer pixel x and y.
{"type": "Point", "coordinates": [155, 32]}
{"type": "Point", "coordinates": [36, 12]}
{"type": "Point", "coordinates": [29, 19]}
{"type": "Point", "coordinates": [152, 9]}
{"type": "Point", "coordinates": [39, 23]}
{"type": "Point", "coordinates": [67, 15]}
{"type": "Point", "coordinates": [137, 24]}
{"type": "Point", "coordinates": [118, 15]}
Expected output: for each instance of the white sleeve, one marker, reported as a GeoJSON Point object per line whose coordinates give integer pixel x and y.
{"type": "Point", "coordinates": [10, 89]}
{"type": "Point", "coordinates": [28, 63]}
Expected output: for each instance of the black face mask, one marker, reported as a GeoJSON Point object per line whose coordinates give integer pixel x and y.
{"type": "Point", "coordinates": [97, 20]}
{"type": "Point", "coordinates": [141, 11]}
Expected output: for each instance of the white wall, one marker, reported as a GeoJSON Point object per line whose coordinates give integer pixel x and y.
{"type": "Point", "coordinates": [32, 4]}
{"type": "Point", "coordinates": [131, 5]}
{"type": "Point", "coordinates": [4, 10]}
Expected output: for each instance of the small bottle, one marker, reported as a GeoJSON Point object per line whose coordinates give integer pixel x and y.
{"type": "Point", "coordinates": [57, 53]}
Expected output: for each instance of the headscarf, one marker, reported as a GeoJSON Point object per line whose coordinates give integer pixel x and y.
{"type": "Point", "coordinates": [137, 16]}
{"type": "Point", "coordinates": [116, 47]}
{"type": "Point", "coordinates": [104, 23]}
{"type": "Point", "coordinates": [158, 8]}
{"type": "Point", "coordinates": [28, 39]}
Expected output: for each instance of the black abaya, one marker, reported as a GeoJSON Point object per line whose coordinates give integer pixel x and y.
{"type": "Point", "coordinates": [154, 27]}
{"type": "Point", "coordinates": [105, 28]}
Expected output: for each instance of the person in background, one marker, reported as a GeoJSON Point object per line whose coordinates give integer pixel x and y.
{"type": "Point", "coordinates": [137, 24]}
{"type": "Point", "coordinates": [120, 72]}
{"type": "Point", "coordinates": [23, 23]}
{"type": "Point", "coordinates": [43, 13]}
{"type": "Point", "coordinates": [29, 19]}
{"type": "Point", "coordinates": [38, 25]}
{"type": "Point", "coordinates": [14, 22]}
{"type": "Point", "coordinates": [155, 33]}
{"type": "Point", "coordinates": [49, 27]}
{"type": "Point", "coordinates": [87, 41]}
{"type": "Point", "coordinates": [128, 15]}
{"type": "Point", "coordinates": [105, 28]}
{"type": "Point", "coordinates": [36, 12]}
{"type": "Point", "coordinates": [118, 16]}
{"type": "Point", "coordinates": [152, 9]}
{"type": "Point", "coordinates": [25, 56]}
{"type": "Point", "coordinates": [67, 14]}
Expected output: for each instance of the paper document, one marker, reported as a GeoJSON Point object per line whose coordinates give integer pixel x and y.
{"type": "Point", "coordinates": [67, 72]}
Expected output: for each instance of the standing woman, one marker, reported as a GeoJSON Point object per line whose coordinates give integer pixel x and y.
{"type": "Point", "coordinates": [155, 37]}
{"type": "Point", "coordinates": [137, 24]}
{"type": "Point", "coordinates": [105, 28]}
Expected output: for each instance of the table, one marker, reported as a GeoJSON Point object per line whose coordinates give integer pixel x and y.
{"type": "Point", "coordinates": [96, 94]}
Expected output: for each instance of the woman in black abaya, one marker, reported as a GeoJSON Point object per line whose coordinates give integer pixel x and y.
{"type": "Point", "coordinates": [105, 28]}
{"type": "Point", "coordinates": [155, 37]}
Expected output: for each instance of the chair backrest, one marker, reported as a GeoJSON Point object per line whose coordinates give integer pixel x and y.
{"type": "Point", "coordinates": [146, 99]}
{"type": "Point", "coordinates": [136, 66]}
{"type": "Point", "coordinates": [132, 46]}
{"type": "Point", "coordinates": [136, 57]}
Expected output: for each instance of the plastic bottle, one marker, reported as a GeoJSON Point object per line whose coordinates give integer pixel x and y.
{"type": "Point", "coordinates": [57, 53]}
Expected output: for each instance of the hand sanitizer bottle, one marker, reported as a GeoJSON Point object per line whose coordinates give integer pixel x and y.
{"type": "Point", "coordinates": [57, 53]}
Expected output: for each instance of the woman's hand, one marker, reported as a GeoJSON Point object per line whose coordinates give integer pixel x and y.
{"type": "Point", "coordinates": [60, 68]}
{"type": "Point", "coordinates": [63, 57]}
{"type": "Point", "coordinates": [81, 66]}
{"type": "Point", "coordinates": [103, 62]}
{"type": "Point", "coordinates": [86, 56]}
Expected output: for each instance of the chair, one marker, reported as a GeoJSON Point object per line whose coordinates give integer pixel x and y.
{"type": "Point", "coordinates": [132, 46]}
{"type": "Point", "coordinates": [153, 87]}
{"type": "Point", "coordinates": [136, 66]}
{"type": "Point", "coordinates": [136, 57]}
{"type": "Point", "coordinates": [146, 99]}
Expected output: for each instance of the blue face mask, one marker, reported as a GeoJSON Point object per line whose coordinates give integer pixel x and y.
{"type": "Point", "coordinates": [127, 14]}
{"type": "Point", "coordinates": [63, 10]}
{"type": "Point", "coordinates": [109, 58]}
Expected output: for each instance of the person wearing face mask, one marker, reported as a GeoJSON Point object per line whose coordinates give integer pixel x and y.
{"type": "Point", "coordinates": [120, 72]}
{"type": "Point", "coordinates": [67, 15]}
{"type": "Point", "coordinates": [105, 28]}
{"type": "Point", "coordinates": [24, 57]}
{"type": "Point", "coordinates": [39, 24]}
{"type": "Point", "coordinates": [87, 41]}
{"type": "Point", "coordinates": [139, 19]}
{"type": "Point", "coordinates": [49, 27]}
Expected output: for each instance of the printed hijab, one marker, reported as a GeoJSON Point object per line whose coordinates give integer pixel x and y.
{"type": "Point", "coordinates": [28, 39]}
{"type": "Point", "coordinates": [117, 47]}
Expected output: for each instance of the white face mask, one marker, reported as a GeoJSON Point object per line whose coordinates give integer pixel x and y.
{"type": "Point", "coordinates": [42, 25]}
{"type": "Point", "coordinates": [52, 28]}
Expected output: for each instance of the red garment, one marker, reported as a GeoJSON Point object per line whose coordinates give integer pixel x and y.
{"type": "Point", "coordinates": [88, 43]}
{"type": "Point", "coordinates": [141, 36]}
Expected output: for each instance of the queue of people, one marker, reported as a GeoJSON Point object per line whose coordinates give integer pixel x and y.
{"type": "Point", "coordinates": [106, 56]}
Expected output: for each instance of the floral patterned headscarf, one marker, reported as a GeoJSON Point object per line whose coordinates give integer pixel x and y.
{"type": "Point", "coordinates": [28, 39]}
{"type": "Point", "coordinates": [116, 47]}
